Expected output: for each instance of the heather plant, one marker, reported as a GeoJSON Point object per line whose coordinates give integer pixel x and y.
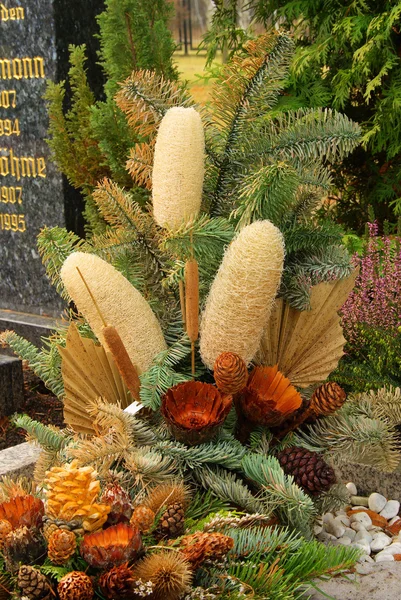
{"type": "Point", "coordinates": [371, 317]}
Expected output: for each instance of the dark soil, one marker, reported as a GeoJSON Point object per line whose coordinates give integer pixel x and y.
{"type": "Point", "coordinates": [39, 403]}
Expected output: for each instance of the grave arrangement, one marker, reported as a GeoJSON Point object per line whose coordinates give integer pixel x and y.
{"type": "Point", "coordinates": [187, 371]}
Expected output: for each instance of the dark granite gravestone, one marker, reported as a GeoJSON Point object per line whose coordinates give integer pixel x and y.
{"type": "Point", "coordinates": [34, 40]}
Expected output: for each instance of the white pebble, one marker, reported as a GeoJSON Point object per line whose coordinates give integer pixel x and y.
{"type": "Point", "coordinates": [343, 520]}
{"type": "Point", "coordinates": [376, 502]}
{"type": "Point", "coordinates": [383, 557]}
{"type": "Point", "coordinates": [380, 541]}
{"type": "Point", "coordinates": [365, 558]}
{"type": "Point", "coordinates": [359, 501]}
{"type": "Point", "coordinates": [362, 545]}
{"type": "Point", "coordinates": [340, 512]}
{"type": "Point", "coordinates": [326, 537]}
{"type": "Point", "coordinates": [392, 549]}
{"type": "Point", "coordinates": [391, 509]}
{"type": "Point", "coordinates": [344, 541]}
{"type": "Point", "coordinates": [317, 529]}
{"type": "Point", "coordinates": [363, 535]}
{"type": "Point", "coordinates": [335, 528]}
{"type": "Point", "coordinates": [327, 518]}
{"type": "Point", "coordinates": [351, 487]}
{"type": "Point", "coordinates": [362, 518]}
{"type": "Point", "coordinates": [351, 533]}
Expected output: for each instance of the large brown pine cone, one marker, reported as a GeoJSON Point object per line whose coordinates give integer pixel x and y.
{"type": "Point", "coordinates": [230, 373]}
{"type": "Point", "coordinates": [117, 583]}
{"type": "Point", "coordinates": [33, 584]}
{"type": "Point", "coordinates": [61, 546]}
{"type": "Point", "coordinates": [76, 585]}
{"type": "Point", "coordinates": [309, 469]}
{"type": "Point", "coordinates": [326, 399]}
{"type": "Point", "coordinates": [171, 523]}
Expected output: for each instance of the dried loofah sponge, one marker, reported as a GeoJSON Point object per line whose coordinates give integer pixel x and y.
{"type": "Point", "coordinates": [241, 297]}
{"type": "Point", "coordinates": [178, 167]}
{"type": "Point", "coordinates": [120, 304]}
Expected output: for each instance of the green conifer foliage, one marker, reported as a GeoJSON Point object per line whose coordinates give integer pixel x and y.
{"type": "Point", "coordinates": [92, 139]}
{"type": "Point", "coordinates": [348, 58]}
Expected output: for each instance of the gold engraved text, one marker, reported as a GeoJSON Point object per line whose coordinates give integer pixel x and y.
{"type": "Point", "coordinates": [21, 166]}
{"type": "Point", "coordinates": [9, 127]}
{"type": "Point", "coordinates": [8, 98]}
{"type": "Point", "coordinates": [22, 68]}
{"type": "Point", "coordinates": [11, 14]}
{"type": "Point", "coordinates": [12, 222]}
{"type": "Point", "coordinates": [10, 195]}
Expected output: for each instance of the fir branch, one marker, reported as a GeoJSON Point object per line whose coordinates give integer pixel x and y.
{"type": "Point", "coordinates": [296, 507]}
{"type": "Point", "coordinates": [227, 454]}
{"type": "Point", "coordinates": [353, 437]}
{"type": "Point", "coordinates": [148, 467]}
{"type": "Point", "coordinates": [228, 487]}
{"type": "Point", "coordinates": [107, 416]}
{"type": "Point", "coordinates": [145, 97]}
{"type": "Point", "coordinates": [44, 363]}
{"type": "Point", "coordinates": [385, 403]}
{"type": "Point", "coordinates": [55, 244]}
{"type": "Point", "coordinates": [49, 438]}
{"type": "Point", "coordinates": [161, 375]}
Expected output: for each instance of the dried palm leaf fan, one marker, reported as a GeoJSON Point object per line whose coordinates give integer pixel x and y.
{"type": "Point", "coordinates": [89, 372]}
{"type": "Point", "coordinates": [307, 345]}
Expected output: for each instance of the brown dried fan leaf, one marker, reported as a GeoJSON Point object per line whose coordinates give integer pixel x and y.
{"type": "Point", "coordinates": [89, 372]}
{"type": "Point", "coordinates": [307, 345]}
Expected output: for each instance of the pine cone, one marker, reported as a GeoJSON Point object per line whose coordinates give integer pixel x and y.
{"type": "Point", "coordinates": [309, 469]}
{"type": "Point", "coordinates": [48, 528]}
{"type": "Point", "coordinates": [327, 398]}
{"type": "Point", "coordinates": [33, 584]}
{"type": "Point", "coordinates": [61, 546]}
{"type": "Point", "coordinates": [118, 499]}
{"type": "Point", "coordinates": [117, 583]}
{"type": "Point", "coordinates": [142, 518]}
{"type": "Point", "coordinates": [171, 523]}
{"type": "Point", "coordinates": [230, 373]}
{"type": "Point", "coordinates": [201, 546]}
{"type": "Point", "coordinates": [24, 546]}
{"type": "Point", "coordinates": [51, 525]}
{"type": "Point", "coordinates": [75, 586]}
{"type": "Point", "coordinates": [71, 493]}
{"type": "Point", "coordinates": [5, 529]}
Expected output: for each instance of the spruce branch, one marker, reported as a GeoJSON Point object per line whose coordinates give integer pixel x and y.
{"type": "Point", "coordinates": [229, 487]}
{"type": "Point", "coordinates": [296, 507]}
{"type": "Point", "coordinates": [55, 244]}
{"type": "Point", "coordinates": [45, 363]}
{"type": "Point", "coordinates": [227, 454]}
{"type": "Point", "coordinates": [49, 438]}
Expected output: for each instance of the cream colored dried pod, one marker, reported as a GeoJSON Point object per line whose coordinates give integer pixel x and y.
{"type": "Point", "coordinates": [120, 304]}
{"type": "Point", "coordinates": [178, 168]}
{"type": "Point", "coordinates": [241, 297]}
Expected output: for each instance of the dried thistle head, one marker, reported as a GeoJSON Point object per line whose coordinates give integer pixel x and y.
{"type": "Point", "coordinates": [165, 494]}
{"type": "Point", "coordinates": [168, 571]}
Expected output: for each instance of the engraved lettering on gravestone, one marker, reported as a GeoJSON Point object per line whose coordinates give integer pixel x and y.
{"type": "Point", "coordinates": [22, 68]}
{"type": "Point", "coordinates": [11, 14]}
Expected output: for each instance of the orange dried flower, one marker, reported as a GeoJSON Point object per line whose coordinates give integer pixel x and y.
{"type": "Point", "coordinates": [269, 398]}
{"type": "Point", "coordinates": [194, 411]}
{"type": "Point", "coordinates": [111, 547]}
{"type": "Point", "coordinates": [230, 373]}
{"type": "Point", "coordinates": [23, 511]}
